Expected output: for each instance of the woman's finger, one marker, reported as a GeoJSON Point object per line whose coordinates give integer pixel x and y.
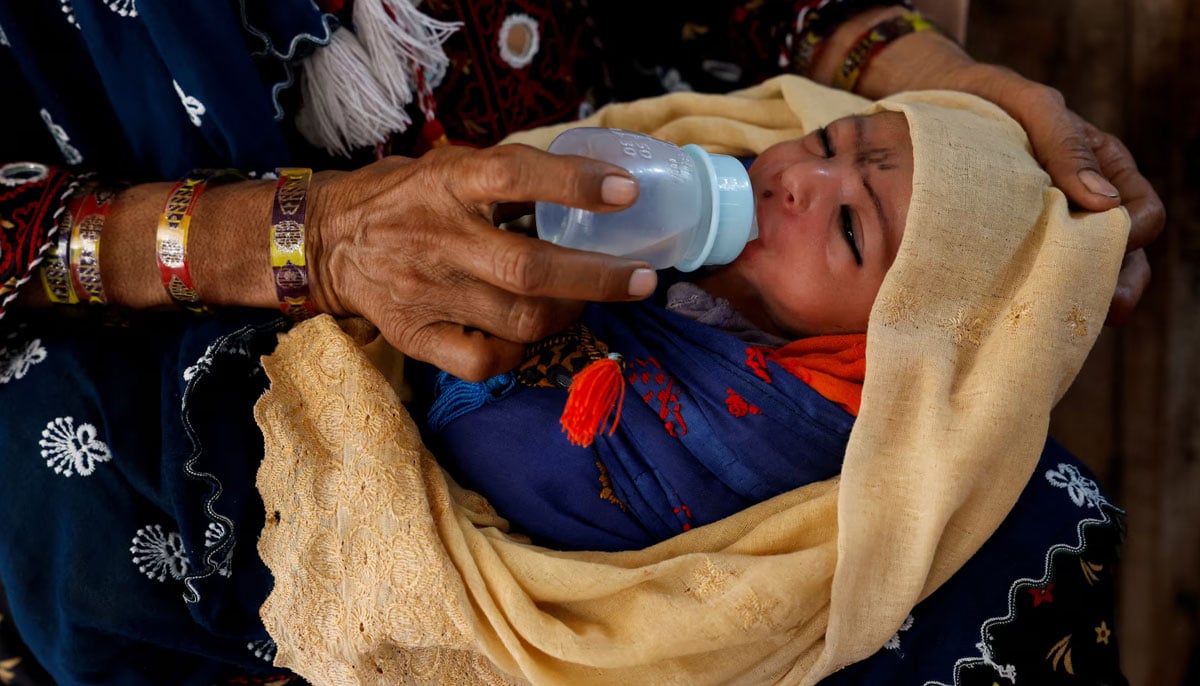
{"type": "Point", "coordinates": [1060, 143]}
{"type": "Point", "coordinates": [1146, 212]}
{"type": "Point", "coordinates": [468, 354]}
{"type": "Point", "coordinates": [531, 267]}
{"type": "Point", "coordinates": [1131, 284]}
{"type": "Point", "coordinates": [519, 173]}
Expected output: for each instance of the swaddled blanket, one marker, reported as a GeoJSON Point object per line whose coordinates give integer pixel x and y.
{"type": "Point", "coordinates": [711, 425]}
{"type": "Point", "coordinates": [387, 571]}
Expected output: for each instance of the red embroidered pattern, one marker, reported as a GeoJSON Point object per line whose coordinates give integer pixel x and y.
{"type": "Point", "coordinates": [659, 391]}
{"type": "Point", "coordinates": [1042, 595]}
{"type": "Point", "coordinates": [739, 406]}
{"type": "Point", "coordinates": [27, 226]}
{"type": "Point", "coordinates": [756, 359]}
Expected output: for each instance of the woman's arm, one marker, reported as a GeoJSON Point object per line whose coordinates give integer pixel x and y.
{"type": "Point", "coordinates": [407, 243]}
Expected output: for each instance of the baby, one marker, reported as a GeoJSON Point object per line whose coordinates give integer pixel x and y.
{"type": "Point", "coordinates": [720, 365]}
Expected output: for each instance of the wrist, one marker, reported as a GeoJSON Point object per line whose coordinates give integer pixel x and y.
{"type": "Point", "coordinates": [326, 220]}
{"type": "Point", "coordinates": [230, 251]}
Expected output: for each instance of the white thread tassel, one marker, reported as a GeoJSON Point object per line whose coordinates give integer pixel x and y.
{"type": "Point", "coordinates": [344, 105]}
{"type": "Point", "coordinates": [401, 42]}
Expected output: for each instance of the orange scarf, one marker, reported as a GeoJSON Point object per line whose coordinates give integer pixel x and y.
{"type": "Point", "coordinates": [833, 366]}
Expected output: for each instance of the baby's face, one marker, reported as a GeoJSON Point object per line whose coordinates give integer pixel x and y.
{"type": "Point", "coordinates": [831, 210]}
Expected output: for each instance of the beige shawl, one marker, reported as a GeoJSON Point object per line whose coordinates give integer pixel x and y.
{"type": "Point", "coordinates": [388, 572]}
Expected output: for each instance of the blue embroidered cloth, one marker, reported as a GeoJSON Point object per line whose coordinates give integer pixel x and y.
{"type": "Point", "coordinates": [709, 426]}
{"type": "Point", "coordinates": [128, 546]}
{"type": "Point", "coordinates": [156, 89]}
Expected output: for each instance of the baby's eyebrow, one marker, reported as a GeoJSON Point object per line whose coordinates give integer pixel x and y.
{"type": "Point", "coordinates": [859, 155]}
{"type": "Point", "coordinates": [880, 157]}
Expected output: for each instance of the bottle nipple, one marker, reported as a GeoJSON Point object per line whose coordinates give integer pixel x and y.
{"type": "Point", "coordinates": [732, 221]}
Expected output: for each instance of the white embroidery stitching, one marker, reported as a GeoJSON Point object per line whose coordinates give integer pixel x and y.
{"type": "Point", "coordinates": [514, 23]}
{"type": "Point", "coordinates": [125, 8]}
{"type": "Point", "coordinates": [69, 11]}
{"type": "Point", "coordinates": [263, 649]}
{"type": "Point", "coordinates": [70, 153]}
{"type": "Point", "coordinates": [68, 450]}
{"type": "Point", "coordinates": [158, 554]}
{"type": "Point", "coordinates": [194, 107]}
{"type": "Point", "coordinates": [893, 643]}
{"type": "Point", "coordinates": [1083, 491]}
{"type": "Point", "coordinates": [17, 358]}
{"type": "Point", "coordinates": [1009, 672]}
{"type": "Point", "coordinates": [212, 537]}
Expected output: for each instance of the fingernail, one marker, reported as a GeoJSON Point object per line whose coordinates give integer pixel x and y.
{"type": "Point", "coordinates": [618, 190]}
{"type": "Point", "coordinates": [642, 283]}
{"type": "Point", "coordinates": [1098, 184]}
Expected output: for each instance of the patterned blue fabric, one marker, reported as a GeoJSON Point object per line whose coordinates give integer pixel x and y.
{"type": "Point", "coordinates": [679, 458]}
{"type": "Point", "coordinates": [128, 550]}
{"type": "Point", "coordinates": [174, 86]}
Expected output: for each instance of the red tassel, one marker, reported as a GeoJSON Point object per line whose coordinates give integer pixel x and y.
{"type": "Point", "coordinates": [595, 393]}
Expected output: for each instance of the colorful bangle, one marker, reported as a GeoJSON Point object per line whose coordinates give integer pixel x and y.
{"type": "Point", "coordinates": [873, 41]}
{"type": "Point", "coordinates": [56, 273]}
{"type": "Point", "coordinates": [816, 21]}
{"type": "Point", "coordinates": [85, 246]}
{"type": "Point", "coordinates": [172, 237]}
{"type": "Point", "coordinates": [289, 268]}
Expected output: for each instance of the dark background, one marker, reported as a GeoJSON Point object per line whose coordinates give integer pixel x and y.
{"type": "Point", "coordinates": [1132, 67]}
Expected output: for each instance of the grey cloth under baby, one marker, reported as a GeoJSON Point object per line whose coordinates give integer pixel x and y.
{"type": "Point", "coordinates": [691, 301]}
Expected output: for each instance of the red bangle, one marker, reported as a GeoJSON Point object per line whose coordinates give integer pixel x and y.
{"type": "Point", "coordinates": [172, 238]}
{"type": "Point", "coordinates": [85, 246]}
{"type": "Point", "coordinates": [289, 268]}
{"type": "Point", "coordinates": [872, 42]}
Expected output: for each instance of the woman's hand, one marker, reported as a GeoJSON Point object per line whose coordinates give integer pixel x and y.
{"type": "Point", "coordinates": [410, 244]}
{"type": "Point", "coordinates": [1092, 167]}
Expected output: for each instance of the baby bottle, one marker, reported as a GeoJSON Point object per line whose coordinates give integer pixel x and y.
{"type": "Point", "coordinates": [693, 208]}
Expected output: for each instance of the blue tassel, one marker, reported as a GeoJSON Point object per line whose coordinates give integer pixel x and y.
{"type": "Point", "coordinates": [456, 397]}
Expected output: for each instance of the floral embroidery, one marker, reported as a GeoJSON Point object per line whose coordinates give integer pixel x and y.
{"type": "Point", "coordinates": [194, 107]}
{"type": "Point", "coordinates": [7, 675]}
{"type": "Point", "coordinates": [16, 359]}
{"type": "Point", "coordinates": [125, 8]}
{"type": "Point", "coordinates": [756, 359]}
{"type": "Point", "coordinates": [1091, 571]}
{"type": "Point", "coordinates": [1042, 595]}
{"type": "Point", "coordinates": [65, 6]}
{"type": "Point", "coordinates": [72, 451]}
{"type": "Point", "coordinates": [1018, 314]}
{"type": "Point", "coordinates": [1083, 491]}
{"type": "Point", "coordinates": [1103, 633]}
{"type": "Point", "coordinates": [212, 537]}
{"type": "Point", "coordinates": [964, 328]}
{"type": "Point", "coordinates": [519, 40]}
{"type": "Point", "coordinates": [263, 649]}
{"type": "Point", "coordinates": [898, 307]}
{"type": "Point", "coordinates": [893, 643]}
{"type": "Point", "coordinates": [708, 580]}
{"type": "Point", "coordinates": [1077, 322]}
{"type": "Point", "coordinates": [158, 554]}
{"type": "Point", "coordinates": [1061, 652]}
{"type": "Point", "coordinates": [739, 406]}
{"type": "Point", "coordinates": [662, 390]}
{"type": "Point", "coordinates": [69, 152]}
{"type": "Point", "coordinates": [202, 365]}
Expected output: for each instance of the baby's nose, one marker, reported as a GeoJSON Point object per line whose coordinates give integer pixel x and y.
{"type": "Point", "coordinates": [802, 184]}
